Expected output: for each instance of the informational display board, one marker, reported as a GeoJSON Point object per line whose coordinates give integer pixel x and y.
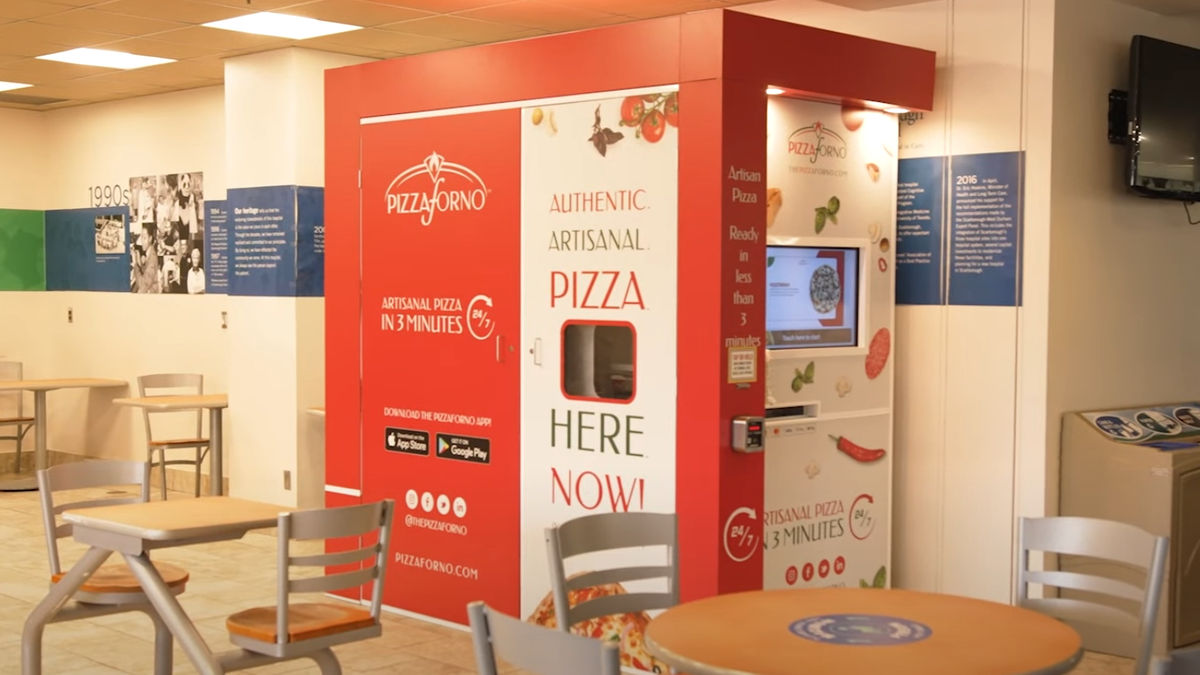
{"type": "Point", "coordinates": [216, 245]}
{"type": "Point", "coordinates": [959, 226]}
{"type": "Point", "coordinates": [22, 250]}
{"type": "Point", "coordinates": [85, 251]}
{"type": "Point", "coordinates": [263, 240]}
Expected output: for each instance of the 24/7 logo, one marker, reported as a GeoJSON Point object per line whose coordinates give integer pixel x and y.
{"type": "Point", "coordinates": [453, 187]}
{"type": "Point", "coordinates": [815, 142]}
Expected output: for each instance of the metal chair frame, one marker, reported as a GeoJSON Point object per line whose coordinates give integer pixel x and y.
{"type": "Point", "coordinates": [539, 650]}
{"type": "Point", "coordinates": [12, 370]}
{"type": "Point", "coordinates": [359, 521]}
{"type": "Point", "coordinates": [604, 531]}
{"type": "Point", "coordinates": [88, 474]}
{"type": "Point", "coordinates": [1111, 613]}
{"type": "Point", "coordinates": [191, 383]}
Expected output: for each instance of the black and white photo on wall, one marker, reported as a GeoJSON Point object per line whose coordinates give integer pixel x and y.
{"type": "Point", "coordinates": [110, 233]}
{"type": "Point", "coordinates": [166, 233]}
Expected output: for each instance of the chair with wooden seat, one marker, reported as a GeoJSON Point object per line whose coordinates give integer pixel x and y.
{"type": "Point", "coordinates": [157, 446]}
{"type": "Point", "coordinates": [112, 588]}
{"type": "Point", "coordinates": [308, 629]}
{"type": "Point", "coordinates": [602, 532]}
{"type": "Point", "coordinates": [535, 649]}
{"type": "Point", "coordinates": [1107, 586]}
{"type": "Point", "coordinates": [14, 423]}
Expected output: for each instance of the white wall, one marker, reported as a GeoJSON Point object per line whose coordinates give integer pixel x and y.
{"type": "Point", "coordinates": [264, 127]}
{"type": "Point", "coordinates": [274, 111]}
{"type": "Point", "coordinates": [114, 335]}
{"type": "Point", "coordinates": [24, 177]}
{"type": "Point", "coordinates": [1123, 328]}
{"type": "Point", "coordinates": [970, 381]}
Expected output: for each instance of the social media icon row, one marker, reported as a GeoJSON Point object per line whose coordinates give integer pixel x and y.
{"type": "Point", "coordinates": [427, 503]}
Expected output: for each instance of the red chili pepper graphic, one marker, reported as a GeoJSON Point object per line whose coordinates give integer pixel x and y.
{"type": "Point", "coordinates": [857, 452]}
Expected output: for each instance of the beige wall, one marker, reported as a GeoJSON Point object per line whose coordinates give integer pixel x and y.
{"type": "Point", "coordinates": [1123, 329]}
{"type": "Point", "coordinates": [115, 335]}
{"type": "Point", "coordinates": [24, 175]}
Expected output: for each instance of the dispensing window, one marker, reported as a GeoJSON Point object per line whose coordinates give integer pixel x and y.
{"type": "Point", "coordinates": [598, 360]}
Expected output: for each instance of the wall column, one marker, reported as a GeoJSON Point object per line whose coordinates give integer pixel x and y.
{"type": "Point", "coordinates": [274, 118]}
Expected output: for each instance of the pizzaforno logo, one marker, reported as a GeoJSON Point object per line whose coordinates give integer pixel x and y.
{"type": "Point", "coordinates": [436, 186]}
{"type": "Point", "coordinates": [815, 142]}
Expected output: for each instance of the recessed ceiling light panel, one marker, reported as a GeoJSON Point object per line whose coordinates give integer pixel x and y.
{"type": "Point", "coordinates": [105, 58]}
{"type": "Point", "coordinates": [5, 86]}
{"type": "Point", "coordinates": [287, 26]}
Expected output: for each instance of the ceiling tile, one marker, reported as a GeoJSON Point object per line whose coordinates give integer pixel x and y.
{"type": "Point", "coordinates": [15, 44]}
{"type": "Point", "coordinates": [217, 40]}
{"type": "Point", "coordinates": [161, 48]}
{"type": "Point", "coordinates": [28, 9]}
{"type": "Point", "coordinates": [59, 35]}
{"type": "Point", "coordinates": [544, 15]}
{"type": "Point", "coordinates": [442, 6]}
{"type": "Point", "coordinates": [37, 70]}
{"type": "Point", "coordinates": [185, 11]}
{"type": "Point", "coordinates": [392, 42]}
{"type": "Point", "coordinates": [348, 48]}
{"type": "Point", "coordinates": [260, 5]}
{"type": "Point", "coordinates": [75, 3]}
{"type": "Point", "coordinates": [355, 12]}
{"type": "Point", "coordinates": [207, 68]}
{"type": "Point", "coordinates": [108, 22]}
{"type": "Point", "coordinates": [454, 27]}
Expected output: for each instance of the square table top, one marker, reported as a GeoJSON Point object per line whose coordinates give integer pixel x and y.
{"type": "Point", "coordinates": [176, 401]}
{"type": "Point", "coordinates": [47, 384]}
{"type": "Point", "coordinates": [178, 519]}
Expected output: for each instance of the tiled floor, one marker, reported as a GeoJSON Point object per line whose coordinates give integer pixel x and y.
{"type": "Point", "coordinates": [225, 577]}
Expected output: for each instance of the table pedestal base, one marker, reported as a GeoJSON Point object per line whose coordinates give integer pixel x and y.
{"type": "Point", "coordinates": [15, 482]}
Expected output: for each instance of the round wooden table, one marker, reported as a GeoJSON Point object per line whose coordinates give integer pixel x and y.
{"type": "Point", "coordinates": [857, 630]}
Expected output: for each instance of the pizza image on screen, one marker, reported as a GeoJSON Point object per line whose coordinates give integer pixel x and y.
{"type": "Point", "coordinates": [627, 630]}
{"type": "Point", "coordinates": [825, 290]}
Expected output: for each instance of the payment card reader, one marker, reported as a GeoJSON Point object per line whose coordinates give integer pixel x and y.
{"type": "Point", "coordinates": [747, 433]}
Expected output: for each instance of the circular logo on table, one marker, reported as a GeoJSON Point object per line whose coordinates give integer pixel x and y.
{"type": "Point", "coordinates": [860, 629]}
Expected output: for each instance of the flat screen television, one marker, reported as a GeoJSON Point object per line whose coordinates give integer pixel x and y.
{"type": "Point", "coordinates": [1164, 119]}
{"type": "Point", "coordinates": [813, 296]}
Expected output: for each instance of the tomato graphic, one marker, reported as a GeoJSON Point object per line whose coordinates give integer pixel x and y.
{"type": "Point", "coordinates": [671, 109]}
{"type": "Point", "coordinates": [653, 126]}
{"type": "Point", "coordinates": [631, 110]}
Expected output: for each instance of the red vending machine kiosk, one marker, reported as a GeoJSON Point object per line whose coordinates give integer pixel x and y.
{"type": "Point", "coordinates": [545, 289]}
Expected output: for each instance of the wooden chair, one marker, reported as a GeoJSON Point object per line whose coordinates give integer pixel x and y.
{"type": "Point", "coordinates": [12, 410]}
{"type": "Point", "coordinates": [602, 532]}
{"type": "Point", "coordinates": [112, 588]}
{"type": "Point", "coordinates": [156, 448]}
{"type": "Point", "coordinates": [1113, 611]}
{"type": "Point", "coordinates": [290, 630]}
{"type": "Point", "coordinates": [536, 649]}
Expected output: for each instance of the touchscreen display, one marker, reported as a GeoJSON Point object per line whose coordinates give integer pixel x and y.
{"type": "Point", "coordinates": [812, 296]}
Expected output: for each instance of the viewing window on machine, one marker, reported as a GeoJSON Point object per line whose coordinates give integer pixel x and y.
{"type": "Point", "coordinates": [598, 360]}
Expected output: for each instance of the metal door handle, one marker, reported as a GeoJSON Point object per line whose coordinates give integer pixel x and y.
{"type": "Point", "coordinates": [536, 350]}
